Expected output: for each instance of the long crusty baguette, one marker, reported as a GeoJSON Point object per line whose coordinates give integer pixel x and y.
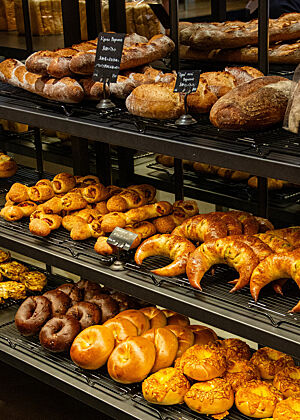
{"type": "Point", "coordinates": [288, 53]}
{"type": "Point", "coordinates": [64, 90]}
{"type": "Point", "coordinates": [238, 34]}
{"type": "Point", "coordinates": [254, 105]}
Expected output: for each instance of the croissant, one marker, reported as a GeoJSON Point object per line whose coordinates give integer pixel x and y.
{"type": "Point", "coordinates": [260, 248]}
{"type": "Point", "coordinates": [143, 229]}
{"type": "Point", "coordinates": [276, 266]}
{"type": "Point", "coordinates": [276, 243]}
{"type": "Point", "coordinates": [15, 212]}
{"type": "Point", "coordinates": [203, 227]}
{"type": "Point", "coordinates": [228, 251]}
{"type": "Point", "coordinates": [291, 234]}
{"type": "Point", "coordinates": [181, 211]}
{"type": "Point", "coordinates": [69, 202]}
{"type": "Point", "coordinates": [174, 247]}
{"type": "Point", "coordinates": [63, 183]}
{"type": "Point", "coordinates": [41, 224]}
{"type": "Point", "coordinates": [94, 193]}
{"type": "Point", "coordinates": [117, 219]}
{"type": "Point", "coordinates": [264, 224]}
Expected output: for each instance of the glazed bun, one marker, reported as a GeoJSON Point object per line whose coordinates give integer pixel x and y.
{"type": "Point", "coordinates": [165, 387]}
{"type": "Point", "coordinates": [257, 399]}
{"type": "Point", "coordinates": [211, 397]}
{"type": "Point", "coordinates": [173, 318]}
{"type": "Point", "coordinates": [121, 328]}
{"type": "Point", "coordinates": [287, 381]}
{"type": "Point", "coordinates": [270, 362]}
{"type": "Point", "coordinates": [288, 409]}
{"type": "Point", "coordinates": [239, 372]}
{"type": "Point", "coordinates": [184, 336]}
{"type": "Point", "coordinates": [166, 346]}
{"type": "Point", "coordinates": [137, 318]}
{"type": "Point", "coordinates": [235, 349]}
{"type": "Point", "coordinates": [203, 335]}
{"type": "Point", "coordinates": [156, 317]}
{"type": "Point", "coordinates": [203, 363]}
{"type": "Point", "coordinates": [132, 360]}
{"type": "Point", "coordinates": [92, 347]}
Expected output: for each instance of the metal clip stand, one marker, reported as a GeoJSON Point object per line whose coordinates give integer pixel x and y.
{"type": "Point", "coordinates": [105, 103]}
{"type": "Point", "coordinates": [117, 265]}
{"type": "Point", "coordinates": [186, 119]}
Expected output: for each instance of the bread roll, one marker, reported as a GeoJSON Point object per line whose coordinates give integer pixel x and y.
{"type": "Point", "coordinates": [137, 318]}
{"type": "Point", "coordinates": [8, 166]}
{"type": "Point", "coordinates": [203, 335]}
{"type": "Point", "coordinates": [184, 336]}
{"type": "Point", "coordinates": [156, 317]}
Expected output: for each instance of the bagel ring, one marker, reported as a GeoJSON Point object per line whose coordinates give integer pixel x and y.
{"type": "Point", "coordinates": [58, 334]}
{"type": "Point", "coordinates": [240, 371]}
{"type": "Point", "coordinates": [32, 315]}
{"type": "Point", "coordinates": [287, 381]}
{"type": "Point", "coordinates": [236, 349]}
{"type": "Point", "coordinates": [156, 317]}
{"type": "Point", "coordinates": [270, 361]}
{"type": "Point", "coordinates": [174, 318]}
{"type": "Point", "coordinates": [184, 336]}
{"type": "Point", "coordinates": [203, 335]}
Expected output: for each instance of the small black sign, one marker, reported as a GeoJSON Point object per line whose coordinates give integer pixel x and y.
{"type": "Point", "coordinates": [122, 238]}
{"type": "Point", "coordinates": [108, 56]}
{"type": "Point", "coordinates": [187, 81]}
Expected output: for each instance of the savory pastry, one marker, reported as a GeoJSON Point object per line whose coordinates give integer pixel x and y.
{"type": "Point", "coordinates": [14, 212]}
{"type": "Point", "coordinates": [257, 399]}
{"type": "Point", "coordinates": [288, 409]}
{"type": "Point", "coordinates": [94, 193]}
{"type": "Point", "coordinates": [165, 387]}
{"type": "Point", "coordinates": [131, 198]}
{"type": "Point", "coordinates": [210, 397]}
{"type": "Point", "coordinates": [17, 193]}
{"type": "Point", "coordinates": [42, 224]}
{"type": "Point", "coordinates": [32, 315]}
{"type": "Point", "coordinates": [239, 372]}
{"type": "Point", "coordinates": [34, 281]}
{"type": "Point", "coordinates": [121, 328]}
{"type": "Point", "coordinates": [203, 335]}
{"type": "Point", "coordinates": [235, 349]}
{"type": "Point", "coordinates": [8, 166]}
{"type": "Point", "coordinates": [63, 182]}
{"type": "Point", "coordinates": [156, 317]}
{"type": "Point", "coordinates": [270, 361]}
{"type": "Point", "coordinates": [276, 266]}
{"type": "Point", "coordinates": [172, 246]}
{"type": "Point", "coordinates": [86, 313]}
{"type": "Point", "coordinates": [228, 251]}
{"type": "Point", "coordinates": [182, 210]}
{"type": "Point", "coordinates": [58, 333]}
{"type": "Point", "coordinates": [13, 270]}
{"type": "Point", "coordinates": [84, 181]}
{"type": "Point", "coordinates": [92, 347]}
{"type": "Point", "coordinates": [132, 360]}
{"type": "Point", "coordinates": [68, 202]}
{"type": "Point", "coordinates": [166, 347]}
{"type": "Point", "coordinates": [203, 363]}
{"type": "Point", "coordinates": [11, 289]}
{"type": "Point", "coordinates": [138, 319]}
{"type": "Point", "coordinates": [287, 381]}
{"type": "Point", "coordinates": [184, 336]}
{"type": "Point", "coordinates": [174, 318]}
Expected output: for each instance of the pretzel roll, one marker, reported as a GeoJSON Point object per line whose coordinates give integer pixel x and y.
{"type": "Point", "coordinates": [174, 247]}
{"type": "Point", "coordinates": [174, 318]}
{"type": "Point", "coordinates": [270, 361]}
{"type": "Point", "coordinates": [92, 347]}
{"type": "Point", "coordinates": [203, 335]}
{"type": "Point", "coordinates": [40, 192]}
{"type": "Point", "coordinates": [257, 399]}
{"type": "Point", "coordinates": [63, 182]}
{"type": "Point", "coordinates": [184, 336]}
{"type": "Point", "coordinates": [94, 193]}
{"type": "Point", "coordinates": [166, 347]}
{"type": "Point", "coordinates": [8, 166]}
{"type": "Point", "coordinates": [235, 349]}
{"type": "Point", "coordinates": [137, 318]}
{"type": "Point", "coordinates": [15, 212]}
{"type": "Point", "coordinates": [203, 363]}
{"type": "Point", "coordinates": [211, 397]}
{"type": "Point", "coordinates": [156, 317]}
{"type": "Point", "coordinates": [132, 360]}
{"type": "Point", "coordinates": [288, 409]}
{"type": "Point", "coordinates": [121, 328]}
{"type": "Point", "coordinates": [17, 193]}
{"type": "Point", "coordinates": [287, 381]}
{"type": "Point", "coordinates": [165, 387]}
{"type": "Point", "coordinates": [240, 371]}
{"type": "Point", "coordinates": [228, 251]}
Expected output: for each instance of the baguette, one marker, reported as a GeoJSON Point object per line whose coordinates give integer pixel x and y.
{"type": "Point", "coordinates": [238, 34]}
{"type": "Point", "coordinates": [273, 184]}
{"type": "Point", "coordinates": [257, 104]}
{"type": "Point", "coordinates": [64, 90]}
{"type": "Point", "coordinates": [112, 220]}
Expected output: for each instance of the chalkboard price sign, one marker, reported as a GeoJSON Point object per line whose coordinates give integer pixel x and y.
{"type": "Point", "coordinates": [121, 238]}
{"type": "Point", "coordinates": [108, 56]}
{"type": "Point", "coordinates": [187, 81]}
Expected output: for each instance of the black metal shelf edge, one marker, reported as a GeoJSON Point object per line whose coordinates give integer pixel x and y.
{"type": "Point", "coordinates": [258, 159]}
{"type": "Point", "coordinates": [251, 324]}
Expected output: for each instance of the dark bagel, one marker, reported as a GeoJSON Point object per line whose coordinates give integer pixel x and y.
{"type": "Point", "coordinates": [74, 293]}
{"type": "Point", "coordinates": [60, 302]}
{"type": "Point", "coordinates": [58, 334]}
{"type": "Point", "coordinates": [86, 313]}
{"type": "Point", "coordinates": [108, 306]}
{"type": "Point", "coordinates": [89, 289]}
{"type": "Point", "coordinates": [32, 315]}
{"type": "Point", "coordinates": [125, 302]}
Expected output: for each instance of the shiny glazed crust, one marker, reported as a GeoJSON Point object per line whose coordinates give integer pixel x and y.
{"type": "Point", "coordinates": [287, 381]}
{"type": "Point", "coordinates": [288, 409]}
{"type": "Point", "coordinates": [239, 372]}
{"type": "Point", "coordinates": [270, 361]}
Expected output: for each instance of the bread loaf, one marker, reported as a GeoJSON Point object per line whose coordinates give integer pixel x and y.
{"type": "Point", "coordinates": [7, 15]}
{"type": "Point", "coordinates": [64, 90]}
{"type": "Point", "coordinates": [230, 34]}
{"type": "Point", "coordinates": [254, 105]}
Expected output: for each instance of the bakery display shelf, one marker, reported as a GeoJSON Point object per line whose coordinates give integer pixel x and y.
{"type": "Point", "coordinates": [263, 153]}
{"type": "Point", "coordinates": [274, 327]}
{"type": "Point", "coordinates": [97, 384]}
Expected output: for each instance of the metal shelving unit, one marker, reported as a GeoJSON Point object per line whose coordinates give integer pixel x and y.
{"type": "Point", "coordinates": [262, 153]}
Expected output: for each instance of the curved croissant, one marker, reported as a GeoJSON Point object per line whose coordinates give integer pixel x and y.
{"type": "Point", "coordinates": [174, 247]}
{"type": "Point", "coordinates": [276, 266]}
{"type": "Point", "coordinates": [276, 243]}
{"type": "Point", "coordinates": [203, 227]}
{"type": "Point", "coordinates": [291, 234]}
{"type": "Point", "coordinates": [228, 251]}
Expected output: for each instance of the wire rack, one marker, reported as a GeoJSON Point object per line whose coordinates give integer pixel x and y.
{"type": "Point", "coordinates": [24, 175]}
